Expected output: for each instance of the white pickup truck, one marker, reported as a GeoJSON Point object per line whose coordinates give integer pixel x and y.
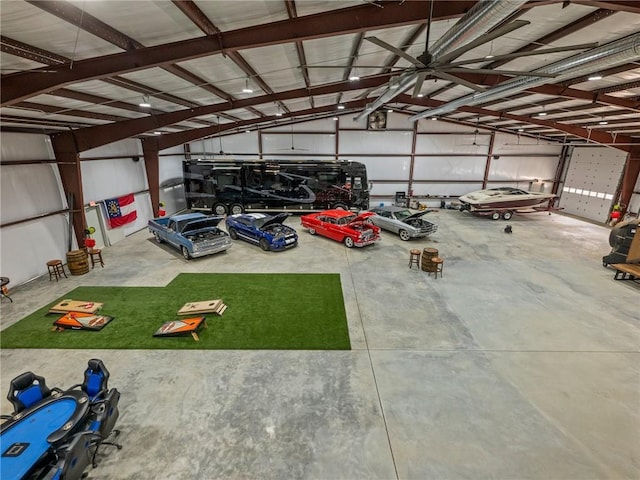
{"type": "Point", "coordinates": [194, 234]}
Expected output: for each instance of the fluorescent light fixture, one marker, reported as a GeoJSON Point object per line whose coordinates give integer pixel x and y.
{"type": "Point", "coordinates": [595, 76]}
{"type": "Point", "coordinates": [145, 102]}
{"type": "Point", "coordinates": [157, 133]}
{"type": "Point", "coordinates": [434, 118]}
{"type": "Point", "coordinates": [602, 122]}
{"type": "Point", "coordinates": [340, 107]}
{"type": "Point", "coordinates": [489, 56]}
{"type": "Point", "coordinates": [389, 110]}
{"type": "Point", "coordinates": [335, 118]}
{"type": "Point", "coordinates": [354, 78]}
{"type": "Point", "coordinates": [542, 114]}
{"type": "Point", "coordinates": [246, 88]}
{"type": "Point", "coordinates": [521, 129]}
{"type": "Point", "coordinates": [247, 131]}
{"type": "Point", "coordinates": [278, 114]}
{"type": "Point", "coordinates": [420, 95]}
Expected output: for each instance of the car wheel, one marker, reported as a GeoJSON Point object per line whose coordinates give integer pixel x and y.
{"type": "Point", "coordinates": [495, 216]}
{"type": "Point", "coordinates": [185, 253]}
{"type": "Point", "coordinates": [220, 209]}
{"type": "Point", "coordinates": [264, 244]}
{"type": "Point", "coordinates": [348, 242]}
{"type": "Point", "coordinates": [404, 235]}
{"type": "Point", "coordinates": [236, 209]}
{"type": "Point", "coordinates": [158, 238]}
{"type": "Point", "coordinates": [340, 206]}
{"type": "Point", "coordinates": [312, 231]}
{"type": "Point", "coordinates": [233, 234]}
{"type": "Point", "coordinates": [507, 215]}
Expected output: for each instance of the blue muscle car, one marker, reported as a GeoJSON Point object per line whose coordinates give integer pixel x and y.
{"type": "Point", "coordinates": [261, 229]}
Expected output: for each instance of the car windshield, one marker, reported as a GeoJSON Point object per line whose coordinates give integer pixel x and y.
{"type": "Point", "coordinates": [402, 214]}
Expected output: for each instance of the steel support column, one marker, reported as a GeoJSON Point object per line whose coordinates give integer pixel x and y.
{"type": "Point", "coordinates": [68, 160]}
{"type": "Point", "coordinates": [629, 178]}
{"type": "Point", "coordinates": [487, 165]}
{"type": "Point", "coordinates": [152, 167]}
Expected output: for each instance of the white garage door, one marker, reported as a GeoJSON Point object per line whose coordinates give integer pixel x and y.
{"type": "Point", "coordinates": [591, 182]}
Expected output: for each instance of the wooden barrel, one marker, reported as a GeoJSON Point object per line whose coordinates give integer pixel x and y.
{"type": "Point", "coordinates": [427, 254]}
{"type": "Point", "coordinates": [77, 262]}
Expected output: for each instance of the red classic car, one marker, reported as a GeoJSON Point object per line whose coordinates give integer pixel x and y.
{"type": "Point", "coordinates": [342, 226]}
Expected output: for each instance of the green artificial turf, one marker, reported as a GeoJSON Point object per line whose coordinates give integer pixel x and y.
{"type": "Point", "coordinates": [265, 311]}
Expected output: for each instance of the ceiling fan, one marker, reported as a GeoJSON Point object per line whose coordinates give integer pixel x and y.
{"type": "Point", "coordinates": [293, 148]}
{"type": "Point", "coordinates": [481, 24]}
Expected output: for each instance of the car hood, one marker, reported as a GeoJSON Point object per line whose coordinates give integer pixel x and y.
{"type": "Point", "coordinates": [363, 216]}
{"type": "Point", "coordinates": [281, 217]}
{"type": "Point", "coordinates": [202, 223]}
{"type": "Point", "coordinates": [416, 215]}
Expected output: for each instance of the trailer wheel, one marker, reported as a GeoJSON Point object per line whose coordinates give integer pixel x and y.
{"type": "Point", "coordinates": [220, 209]}
{"type": "Point", "coordinates": [495, 216]}
{"type": "Point", "coordinates": [236, 209]}
{"type": "Point", "coordinates": [507, 215]}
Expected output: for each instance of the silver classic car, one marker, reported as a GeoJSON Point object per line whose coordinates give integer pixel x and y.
{"type": "Point", "coordinates": [402, 221]}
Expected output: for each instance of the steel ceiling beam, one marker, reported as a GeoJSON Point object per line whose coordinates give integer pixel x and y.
{"type": "Point", "coordinates": [173, 139]}
{"type": "Point", "coordinates": [621, 142]}
{"type": "Point", "coordinates": [302, 58]}
{"type": "Point", "coordinates": [104, 134]}
{"type": "Point", "coordinates": [17, 87]}
{"type": "Point", "coordinates": [631, 6]}
{"type": "Point", "coordinates": [69, 112]}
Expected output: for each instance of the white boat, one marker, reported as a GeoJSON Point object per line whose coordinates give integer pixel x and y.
{"type": "Point", "coordinates": [503, 201]}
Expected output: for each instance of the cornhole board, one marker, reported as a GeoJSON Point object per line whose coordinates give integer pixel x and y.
{"type": "Point", "coordinates": [182, 327]}
{"type": "Point", "coordinates": [208, 306]}
{"type": "Point", "coordinates": [81, 321]}
{"type": "Point", "coordinates": [76, 306]}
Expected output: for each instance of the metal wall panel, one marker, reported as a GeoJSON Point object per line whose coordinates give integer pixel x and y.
{"type": "Point", "coordinates": [386, 168]}
{"type": "Point", "coordinates": [591, 182]}
{"type": "Point", "coordinates": [378, 142]}
{"type": "Point", "coordinates": [25, 146]}
{"type": "Point", "coordinates": [523, 168]}
{"type": "Point", "coordinates": [449, 168]}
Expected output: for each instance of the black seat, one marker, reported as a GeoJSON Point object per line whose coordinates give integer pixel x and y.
{"type": "Point", "coordinates": [96, 379]}
{"type": "Point", "coordinates": [26, 390]}
{"type": "Point", "coordinates": [102, 420]}
{"type": "Point", "coordinates": [72, 458]}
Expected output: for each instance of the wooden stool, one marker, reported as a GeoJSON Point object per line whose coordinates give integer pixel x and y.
{"type": "Point", "coordinates": [56, 269]}
{"type": "Point", "coordinates": [438, 263]}
{"type": "Point", "coordinates": [414, 258]}
{"type": "Point", "coordinates": [96, 256]}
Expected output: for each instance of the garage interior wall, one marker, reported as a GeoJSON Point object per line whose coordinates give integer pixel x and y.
{"type": "Point", "coordinates": [436, 159]}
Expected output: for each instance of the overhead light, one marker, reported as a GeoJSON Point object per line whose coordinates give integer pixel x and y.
{"type": "Point", "coordinates": [354, 77]}
{"type": "Point", "coordinates": [602, 122]}
{"type": "Point", "coordinates": [521, 129]}
{"type": "Point", "coordinates": [420, 95]}
{"type": "Point", "coordinates": [434, 118]}
{"type": "Point", "coordinates": [491, 55]}
{"type": "Point", "coordinates": [145, 102]}
{"type": "Point", "coordinates": [157, 133]}
{"type": "Point", "coordinates": [595, 76]}
{"type": "Point", "coordinates": [389, 110]}
{"type": "Point", "coordinates": [246, 88]}
{"type": "Point", "coordinates": [335, 118]}
{"type": "Point", "coordinates": [340, 107]}
{"type": "Point", "coordinates": [247, 131]}
{"type": "Point", "coordinates": [354, 73]}
{"type": "Point", "coordinates": [542, 114]}
{"type": "Point", "coordinates": [278, 114]}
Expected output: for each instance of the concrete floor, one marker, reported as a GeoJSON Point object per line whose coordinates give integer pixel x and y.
{"type": "Point", "coordinates": [521, 362]}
